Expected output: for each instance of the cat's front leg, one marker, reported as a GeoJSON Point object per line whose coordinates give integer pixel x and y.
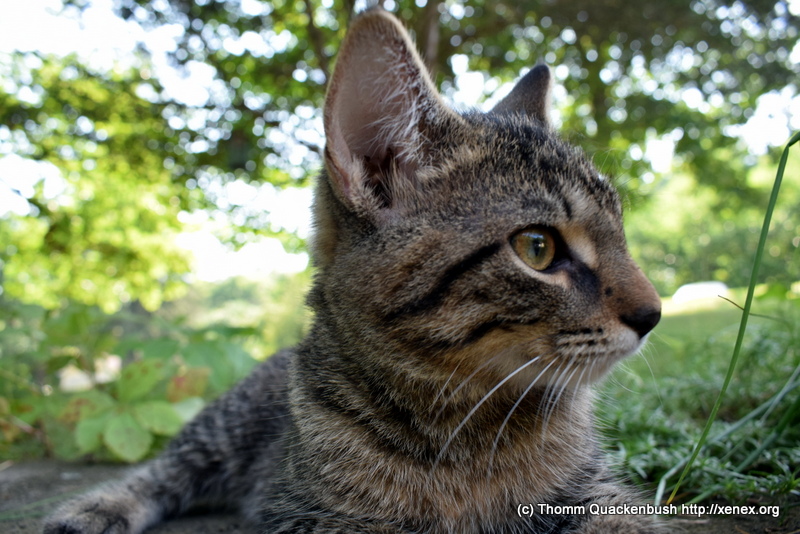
{"type": "Point", "coordinates": [613, 495]}
{"type": "Point", "coordinates": [124, 507]}
{"type": "Point", "coordinates": [221, 458]}
{"type": "Point", "coordinates": [629, 524]}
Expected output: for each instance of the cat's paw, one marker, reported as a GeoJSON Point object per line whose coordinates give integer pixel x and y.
{"type": "Point", "coordinates": [97, 514]}
{"type": "Point", "coordinates": [89, 521]}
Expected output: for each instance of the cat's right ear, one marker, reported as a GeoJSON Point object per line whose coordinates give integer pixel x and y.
{"type": "Point", "coordinates": [379, 114]}
{"type": "Point", "coordinates": [530, 96]}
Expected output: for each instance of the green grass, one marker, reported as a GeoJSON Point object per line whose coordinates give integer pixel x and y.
{"type": "Point", "coordinates": [681, 330]}
{"type": "Point", "coordinates": [657, 404]}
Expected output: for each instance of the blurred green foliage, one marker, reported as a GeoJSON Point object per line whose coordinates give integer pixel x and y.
{"type": "Point", "coordinates": [107, 237]}
{"type": "Point", "coordinates": [688, 232]}
{"type": "Point", "coordinates": [57, 396]}
{"type": "Point", "coordinates": [133, 154]}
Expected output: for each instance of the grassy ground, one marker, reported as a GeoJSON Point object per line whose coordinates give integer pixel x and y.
{"type": "Point", "coordinates": [656, 405]}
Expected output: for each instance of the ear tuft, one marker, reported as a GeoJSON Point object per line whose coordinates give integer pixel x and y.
{"type": "Point", "coordinates": [530, 96]}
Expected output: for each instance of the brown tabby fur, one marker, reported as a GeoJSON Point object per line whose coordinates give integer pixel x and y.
{"type": "Point", "coordinates": [444, 381]}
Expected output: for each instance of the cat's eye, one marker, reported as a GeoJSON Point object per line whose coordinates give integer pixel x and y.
{"type": "Point", "coordinates": [535, 246]}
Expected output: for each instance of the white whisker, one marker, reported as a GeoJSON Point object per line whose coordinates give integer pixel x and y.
{"type": "Point", "coordinates": [511, 411]}
{"type": "Point", "coordinates": [564, 386]}
{"type": "Point", "coordinates": [579, 382]}
{"type": "Point", "coordinates": [477, 370]}
{"type": "Point", "coordinates": [464, 382]}
{"type": "Point", "coordinates": [554, 392]}
{"type": "Point", "coordinates": [444, 386]}
{"type": "Point", "coordinates": [478, 405]}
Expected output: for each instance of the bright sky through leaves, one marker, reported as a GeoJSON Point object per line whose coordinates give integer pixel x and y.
{"type": "Point", "coordinates": [105, 42]}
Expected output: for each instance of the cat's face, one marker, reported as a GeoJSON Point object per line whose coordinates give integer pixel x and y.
{"type": "Point", "coordinates": [476, 243]}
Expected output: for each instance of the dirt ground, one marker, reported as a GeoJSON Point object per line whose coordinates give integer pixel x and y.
{"type": "Point", "coordinates": [30, 490]}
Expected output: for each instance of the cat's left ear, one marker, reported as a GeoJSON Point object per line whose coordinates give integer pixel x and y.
{"type": "Point", "coordinates": [530, 96]}
{"type": "Point", "coordinates": [381, 113]}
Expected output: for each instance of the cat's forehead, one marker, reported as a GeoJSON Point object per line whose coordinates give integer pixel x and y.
{"type": "Point", "coordinates": [514, 161]}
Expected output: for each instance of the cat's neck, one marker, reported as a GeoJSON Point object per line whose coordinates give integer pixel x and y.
{"type": "Point", "coordinates": [441, 414]}
{"type": "Point", "coordinates": [377, 435]}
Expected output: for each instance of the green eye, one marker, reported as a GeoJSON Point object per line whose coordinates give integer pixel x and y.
{"type": "Point", "coordinates": [535, 246]}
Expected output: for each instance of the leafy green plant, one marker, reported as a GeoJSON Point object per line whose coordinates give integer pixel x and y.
{"type": "Point", "coordinates": [169, 372]}
{"type": "Point", "coordinates": [749, 421]}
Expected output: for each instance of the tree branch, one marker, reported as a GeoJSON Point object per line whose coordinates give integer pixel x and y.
{"type": "Point", "coordinates": [431, 37]}
{"type": "Point", "coordinates": [317, 41]}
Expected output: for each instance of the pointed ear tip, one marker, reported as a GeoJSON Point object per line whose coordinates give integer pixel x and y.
{"type": "Point", "coordinates": [541, 72]}
{"type": "Point", "coordinates": [375, 15]}
{"type": "Point", "coordinates": [366, 27]}
{"type": "Point", "coordinates": [542, 68]}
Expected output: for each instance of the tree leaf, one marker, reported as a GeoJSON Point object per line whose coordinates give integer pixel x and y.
{"type": "Point", "coordinates": [138, 379]}
{"type": "Point", "coordinates": [89, 432]}
{"type": "Point", "coordinates": [239, 359]}
{"type": "Point", "coordinates": [187, 409]}
{"type": "Point", "coordinates": [60, 438]}
{"type": "Point", "coordinates": [126, 438]}
{"type": "Point", "coordinates": [192, 383]}
{"type": "Point", "coordinates": [210, 354]}
{"type": "Point", "coordinates": [159, 417]}
{"type": "Point", "coordinates": [159, 348]}
{"type": "Point", "coordinates": [86, 405]}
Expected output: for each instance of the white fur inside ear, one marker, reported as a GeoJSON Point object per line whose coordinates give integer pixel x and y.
{"type": "Point", "coordinates": [379, 104]}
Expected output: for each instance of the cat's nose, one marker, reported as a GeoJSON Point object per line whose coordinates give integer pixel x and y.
{"type": "Point", "coordinates": [642, 320]}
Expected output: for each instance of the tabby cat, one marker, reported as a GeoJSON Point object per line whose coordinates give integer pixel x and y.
{"type": "Point", "coordinates": [472, 280]}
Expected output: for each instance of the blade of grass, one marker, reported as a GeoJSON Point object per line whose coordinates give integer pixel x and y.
{"type": "Point", "coordinates": [788, 417]}
{"type": "Point", "coordinates": [760, 410]}
{"type": "Point", "coordinates": [745, 313]}
{"type": "Point", "coordinates": [753, 456]}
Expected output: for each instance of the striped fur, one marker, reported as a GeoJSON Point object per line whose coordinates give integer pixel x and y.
{"type": "Point", "coordinates": [444, 381]}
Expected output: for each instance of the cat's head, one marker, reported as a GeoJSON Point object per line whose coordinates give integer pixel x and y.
{"type": "Point", "coordinates": [471, 242]}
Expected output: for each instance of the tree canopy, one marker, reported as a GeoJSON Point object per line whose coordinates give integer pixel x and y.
{"type": "Point", "coordinates": [124, 156]}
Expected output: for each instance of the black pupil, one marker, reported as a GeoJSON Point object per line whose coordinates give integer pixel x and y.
{"type": "Point", "coordinates": [538, 243]}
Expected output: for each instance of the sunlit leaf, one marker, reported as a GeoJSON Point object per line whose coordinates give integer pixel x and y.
{"type": "Point", "coordinates": [138, 379]}
{"type": "Point", "coordinates": [159, 348]}
{"type": "Point", "coordinates": [86, 405]}
{"type": "Point", "coordinates": [126, 438]}
{"type": "Point", "coordinates": [189, 407]}
{"type": "Point", "coordinates": [89, 432]}
{"type": "Point", "coordinates": [159, 417]}
{"type": "Point", "coordinates": [209, 354]}
{"type": "Point", "coordinates": [191, 383]}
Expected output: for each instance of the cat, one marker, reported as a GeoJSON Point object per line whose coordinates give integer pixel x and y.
{"type": "Point", "coordinates": [472, 280]}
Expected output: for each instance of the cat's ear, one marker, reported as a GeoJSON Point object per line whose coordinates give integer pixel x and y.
{"type": "Point", "coordinates": [379, 112]}
{"type": "Point", "coordinates": [530, 96]}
